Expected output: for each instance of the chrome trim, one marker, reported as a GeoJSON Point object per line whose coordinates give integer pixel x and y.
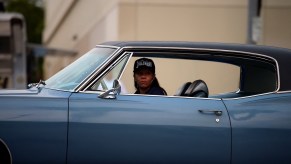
{"type": "Point", "coordinates": [282, 92]}
{"type": "Point", "coordinates": [105, 71]}
{"type": "Point", "coordinates": [92, 92]}
{"type": "Point", "coordinates": [260, 56]}
{"type": "Point", "coordinates": [208, 98]}
{"type": "Point", "coordinates": [167, 96]}
{"type": "Point", "coordinates": [106, 46]}
{"type": "Point", "coordinates": [237, 91]}
{"type": "Point", "coordinates": [96, 71]}
{"type": "Point", "coordinates": [9, 152]}
{"type": "Point", "coordinates": [201, 49]}
{"type": "Point", "coordinates": [233, 53]}
{"type": "Point", "coordinates": [184, 97]}
{"type": "Point", "coordinates": [255, 95]}
{"type": "Point", "coordinates": [126, 63]}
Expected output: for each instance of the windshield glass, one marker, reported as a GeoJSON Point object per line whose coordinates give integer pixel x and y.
{"type": "Point", "coordinates": [72, 75]}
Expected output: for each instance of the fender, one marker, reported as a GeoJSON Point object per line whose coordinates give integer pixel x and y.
{"type": "Point", "coordinates": [5, 155]}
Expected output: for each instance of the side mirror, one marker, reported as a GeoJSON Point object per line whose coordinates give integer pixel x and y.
{"type": "Point", "coordinates": [111, 93]}
{"type": "Point", "coordinates": [116, 85]}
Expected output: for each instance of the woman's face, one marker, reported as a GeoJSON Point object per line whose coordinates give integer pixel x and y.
{"type": "Point", "coordinates": [144, 78]}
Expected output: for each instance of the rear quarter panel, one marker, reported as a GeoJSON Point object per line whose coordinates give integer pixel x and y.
{"type": "Point", "coordinates": [261, 128]}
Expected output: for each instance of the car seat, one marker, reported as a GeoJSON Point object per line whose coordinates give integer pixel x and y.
{"type": "Point", "coordinates": [197, 89]}
{"type": "Point", "coordinates": [181, 91]}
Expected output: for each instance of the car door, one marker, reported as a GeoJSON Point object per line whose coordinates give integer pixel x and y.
{"type": "Point", "coordinates": [147, 129]}
{"type": "Point", "coordinates": [261, 128]}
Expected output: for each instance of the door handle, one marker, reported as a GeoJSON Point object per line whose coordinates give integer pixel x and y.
{"type": "Point", "coordinates": [216, 112]}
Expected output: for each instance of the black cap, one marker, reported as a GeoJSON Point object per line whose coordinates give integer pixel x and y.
{"type": "Point", "coordinates": [144, 63]}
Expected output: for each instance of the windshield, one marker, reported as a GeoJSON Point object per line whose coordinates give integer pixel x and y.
{"type": "Point", "coordinates": [72, 75]}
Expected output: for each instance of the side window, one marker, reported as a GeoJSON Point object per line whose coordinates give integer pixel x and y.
{"type": "Point", "coordinates": [258, 79]}
{"type": "Point", "coordinates": [106, 81]}
{"type": "Point", "coordinates": [172, 73]}
{"type": "Point", "coordinates": [223, 76]}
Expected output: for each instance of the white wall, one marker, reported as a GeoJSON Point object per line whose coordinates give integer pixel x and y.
{"type": "Point", "coordinates": [80, 25]}
{"type": "Point", "coordinates": [276, 20]}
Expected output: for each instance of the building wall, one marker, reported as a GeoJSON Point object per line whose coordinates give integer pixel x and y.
{"type": "Point", "coordinates": [79, 28]}
{"type": "Point", "coordinates": [185, 20]}
{"type": "Point", "coordinates": [276, 22]}
{"type": "Point", "coordinates": [80, 25]}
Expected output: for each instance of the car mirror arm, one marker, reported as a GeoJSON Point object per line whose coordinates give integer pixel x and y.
{"type": "Point", "coordinates": [115, 90]}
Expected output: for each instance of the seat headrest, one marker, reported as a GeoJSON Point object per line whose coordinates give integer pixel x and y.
{"type": "Point", "coordinates": [197, 89]}
{"type": "Point", "coordinates": [181, 91]}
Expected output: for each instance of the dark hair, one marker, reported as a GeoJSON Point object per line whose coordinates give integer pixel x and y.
{"type": "Point", "coordinates": [155, 83]}
{"type": "Point", "coordinates": [146, 63]}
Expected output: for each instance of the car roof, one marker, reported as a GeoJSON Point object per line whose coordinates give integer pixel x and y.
{"type": "Point", "coordinates": [281, 55]}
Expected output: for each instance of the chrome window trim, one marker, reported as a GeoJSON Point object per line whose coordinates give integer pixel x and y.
{"type": "Point", "coordinates": [121, 57]}
{"type": "Point", "coordinates": [233, 53]}
{"type": "Point", "coordinates": [259, 56]}
{"type": "Point", "coordinates": [132, 94]}
{"type": "Point", "coordinates": [84, 82]}
{"type": "Point", "coordinates": [126, 52]}
{"type": "Point", "coordinates": [243, 97]}
{"type": "Point", "coordinates": [282, 92]}
{"type": "Point", "coordinates": [208, 98]}
{"type": "Point", "coordinates": [107, 46]}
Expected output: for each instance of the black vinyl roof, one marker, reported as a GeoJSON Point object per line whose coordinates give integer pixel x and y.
{"type": "Point", "coordinates": [281, 55]}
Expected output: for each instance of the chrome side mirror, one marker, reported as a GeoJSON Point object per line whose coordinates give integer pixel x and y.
{"type": "Point", "coordinates": [111, 93]}
{"type": "Point", "coordinates": [116, 85]}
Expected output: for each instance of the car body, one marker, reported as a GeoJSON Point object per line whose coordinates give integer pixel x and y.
{"type": "Point", "coordinates": [87, 113]}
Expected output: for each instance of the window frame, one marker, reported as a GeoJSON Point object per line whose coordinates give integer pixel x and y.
{"type": "Point", "coordinates": [224, 56]}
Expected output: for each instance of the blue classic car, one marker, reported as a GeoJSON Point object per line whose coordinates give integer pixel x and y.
{"type": "Point", "coordinates": [226, 103]}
